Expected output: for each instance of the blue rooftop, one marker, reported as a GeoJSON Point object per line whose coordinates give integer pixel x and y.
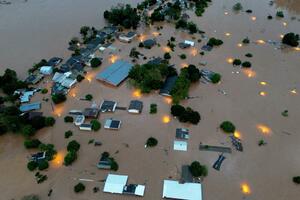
{"type": "Point", "coordinates": [115, 73]}
{"type": "Point", "coordinates": [30, 106]}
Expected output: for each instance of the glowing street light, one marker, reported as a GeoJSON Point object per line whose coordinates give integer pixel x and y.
{"type": "Point", "coordinates": [230, 60]}
{"type": "Point", "coordinates": [264, 129]}
{"type": "Point", "coordinates": [237, 134]}
{"type": "Point", "coordinates": [263, 83]}
{"type": "Point", "coordinates": [228, 34]}
{"type": "Point", "coordinates": [253, 18]}
{"type": "Point", "coordinates": [262, 93]}
{"type": "Point", "coordinates": [166, 119]}
{"type": "Point", "coordinates": [261, 42]}
{"type": "Point", "coordinates": [245, 188]}
{"type": "Point", "coordinates": [239, 44]}
{"type": "Point", "coordinates": [294, 91]}
{"type": "Point", "coordinates": [137, 93]}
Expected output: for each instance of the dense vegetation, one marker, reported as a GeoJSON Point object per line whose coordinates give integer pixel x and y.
{"type": "Point", "coordinates": [58, 98]}
{"type": "Point", "coordinates": [198, 170]}
{"type": "Point", "coordinates": [79, 188]}
{"type": "Point", "coordinates": [148, 77]}
{"type": "Point", "coordinates": [125, 16]}
{"type": "Point", "coordinates": [95, 62]}
{"type": "Point", "coordinates": [291, 39]}
{"type": "Point", "coordinates": [185, 114]}
{"type": "Point", "coordinates": [227, 127]}
{"type": "Point", "coordinates": [151, 142]}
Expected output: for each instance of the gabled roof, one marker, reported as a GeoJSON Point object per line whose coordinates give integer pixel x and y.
{"type": "Point", "coordinates": [91, 112]}
{"type": "Point", "coordinates": [149, 43]}
{"type": "Point", "coordinates": [136, 105]}
{"type": "Point", "coordinates": [168, 86]}
{"type": "Point", "coordinates": [116, 73]}
{"type": "Point", "coordinates": [112, 124]}
{"type": "Point", "coordinates": [115, 183]}
{"type": "Point", "coordinates": [184, 191]}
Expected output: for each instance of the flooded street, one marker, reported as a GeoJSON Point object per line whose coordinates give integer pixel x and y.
{"type": "Point", "coordinates": [252, 99]}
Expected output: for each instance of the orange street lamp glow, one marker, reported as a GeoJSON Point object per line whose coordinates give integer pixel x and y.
{"type": "Point", "coordinates": [113, 58]}
{"type": "Point", "coordinates": [262, 93]}
{"type": "Point", "coordinates": [58, 159]}
{"type": "Point", "coordinates": [261, 42]}
{"type": "Point", "coordinates": [137, 93]}
{"type": "Point", "coordinates": [297, 48]}
{"type": "Point", "coordinates": [249, 73]}
{"type": "Point", "coordinates": [184, 65]}
{"type": "Point", "coordinates": [194, 52]}
{"type": "Point", "coordinates": [230, 60]}
{"type": "Point", "coordinates": [237, 134]}
{"type": "Point", "coordinates": [168, 100]}
{"type": "Point", "coordinates": [264, 129]}
{"type": "Point", "coordinates": [166, 119]}
{"type": "Point", "coordinates": [245, 188]}
{"type": "Point", "coordinates": [142, 38]}
{"type": "Point", "coordinates": [166, 49]}
{"type": "Point", "coordinates": [155, 34]}
{"type": "Point", "coordinates": [253, 18]}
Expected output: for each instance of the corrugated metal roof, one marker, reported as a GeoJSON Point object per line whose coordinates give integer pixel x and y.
{"type": "Point", "coordinates": [115, 73]}
{"type": "Point", "coordinates": [115, 183]}
{"type": "Point", "coordinates": [30, 106]}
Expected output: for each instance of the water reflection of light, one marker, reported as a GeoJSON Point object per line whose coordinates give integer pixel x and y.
{"type": "Point", "coordinates": [155, 33]}
{"type": "Point", "coordinates": [245, 188]}
{"type": "Point", "coordinates": [142, 38]}
{"type": "Point", "coordinates": [297, 48]}
{"type": "Point", "coordinates": [264, 129]}
{"type": "Point", "coordinates": [261, 42]}
{"type": "Point", "coordinates": [194, 52]}
{"type": "Point", "coordinates": [166, 49]}
{"type": "Point", "coordinates": [253, 18]}
{"type": "Point", "coordinates": [249, 73]}
{"type": "Point", "coordinates": [262, 93]}
{"type": "Point", "coordinates": [113, 58]}
{"type": "Point", "coordinates": [166, 119]}
{"type": "Point", "coordinates": [168, 100]}
{"type": "Point", "coordinates": [58, 159]}
{"type": "Point", "coordinates": [184, 65]}
{"type": "Point", "coordinates": [137, 93]}
{"type": "Point", "coordinates": [294, 91]}
{"type": "Point", "coordinates": [230, 60]}
{"type": "Point", "coordinates": [237, 134]}
{"type": "Point", "coordinates": [263, 83]}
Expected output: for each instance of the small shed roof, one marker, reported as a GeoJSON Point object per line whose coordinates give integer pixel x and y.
{"type": "Point", "coordinates": [182, 133]}
{"type": "Point", "coordinates": [115, 183]}
{"type": "Point", "coordinates": [185, 191]}
{"type": "Point", "coordinates": [112, 124]}
{"type": "Point", "coordinates": [116, 73]}
{"type": "Point", "coordinates": [180, 145]}
{"type": "Point", "coordinates": [149, 43]}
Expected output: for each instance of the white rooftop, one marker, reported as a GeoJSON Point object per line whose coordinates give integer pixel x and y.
{"type": "Point", "coordinates": [184, 191]}
{"type": "Point", "coordinates": [180, 145]}
{"type": "Point", "coordinates": [139, 190]}
{"type": "Point", "coordinates": [115, 183]}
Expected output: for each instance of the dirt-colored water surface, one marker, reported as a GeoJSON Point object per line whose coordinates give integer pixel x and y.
{"type": "Point", "coordinates": [254, 101]}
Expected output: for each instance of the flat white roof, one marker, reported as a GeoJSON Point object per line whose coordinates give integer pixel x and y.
{"type": "Point", "coordinates": [139, 190]}
{"type": "Point", "coordinates": [189, 42]}
{"type": "Point", "coordinates": [115, 183]}
{"type": "Point", "coordinates": [185, 191]}
{"type": "Point", "coordinates": [180, 145]}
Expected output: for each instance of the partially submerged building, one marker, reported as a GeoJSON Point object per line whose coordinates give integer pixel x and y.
{"type": "Point", "coordinates": [135, 106]}
{"type": "Point", "coordinates": [148, 44]}
{"type": "Point", "coordinates": [180, 145]}
{"type": "Point", "coordinates": [30, 107]}
{"type": "Point", "coordinates": [108, 106]}
{"type": "Point", "coordinates": [183, 191]}
{"type": "Point", "coordinates": [117, 184]}
{"type": "Point", "coordinates": [37, 157]}
{"type": "Point", "coordinates": [116, 73]}
{"type": "Point", "coordinates": [168, 86]}
{"type": "Point", "coordinates": [46, 70]}
{"type": "Point", "coordinates": [91, 113]}
{"type": "Point", "coordinates": [112, 124]}
{"type": "Point", "coordinates": [127, 37]}
{"type": "Point", "coordinates": [79, 119]}
{"type": "Point", "coordinates": [182, 133]}
{"type": "Point", "coordinates": [85, 127]}
{"type": "Point", "coordinates": [34, 78]}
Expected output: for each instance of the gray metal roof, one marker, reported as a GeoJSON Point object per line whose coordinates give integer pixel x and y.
{"type": "Point", "coordinates": [168, 86]}
{"type": "Point", "coordinates": [136, 105]}
{"type": "Point", "coordinates": [30, 106]}
{"type": "Point", "coordinates": [115, 73]}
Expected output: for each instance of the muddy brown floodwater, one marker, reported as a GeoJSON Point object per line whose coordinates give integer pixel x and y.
{"type": "Point", "coordinates": [254, 101]}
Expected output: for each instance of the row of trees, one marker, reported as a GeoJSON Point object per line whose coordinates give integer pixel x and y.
{"type": "Point", "coordinates": [185, 114]}
{"type": "Point", "coordinates": [183, 24]}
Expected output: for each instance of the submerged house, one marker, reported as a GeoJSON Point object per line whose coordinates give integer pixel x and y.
{"type": "Point", "coordinates": [38, 156]}
{"type": "Point", "coordinates": [108, 106]}
{"type": "Point", "coordinates": [91, 113]}
{"type": "Point", "coordinates": [117, 184]}
{"type": "Point", "coordinates": [148, 44]}
{"type": "Point", "coordinates": [127, 37]}
{"type": "Point", "coordinates": [182, 133]}
{"type": "Point", "coordinates": [112, 124]}
{"type": "Point", "coordinates": [85, 127]}
{"type": "Point", "coordinates": [116, 73]}
{"type": "Point", "coordinates": [184, 191]}
{"type": "Point", "coordinates": [168, 86]}
{"type": "Point", "coordinates": [180, 145]}
{"type": "Point", "coordinates": [135, 107]}
{"type": "Point", "coordinates": [30, 107]}
{"type": "Point", "coordinates": [34, 78]}
{"type": "Point", "coordinates": [54, 61]}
